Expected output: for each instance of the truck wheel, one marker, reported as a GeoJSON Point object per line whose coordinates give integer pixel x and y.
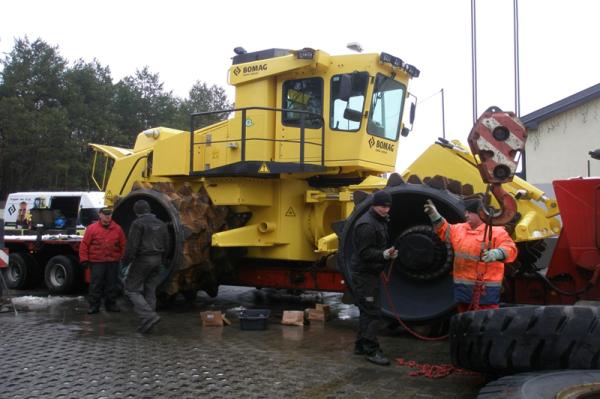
{"type": "Point", "coordinates": [22, 271]}
{"type": "Point", "coordinates": [526, 338]}
{"type": "Point", "coordinates": [61, 275]}
{"type": "Point", "coordinates": [552, 384]}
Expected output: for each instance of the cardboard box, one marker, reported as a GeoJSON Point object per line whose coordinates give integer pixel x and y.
{"type": "Point", "coordinates": [212, 318]}
{"type": "Point", "coordinates": [293, 318]}
{"type": "Point", "coordinates": [316, 315]}
{"type": "Point", "coordinates": [320, 313]}
{"type": "Point", "coordinates": [323, 308]}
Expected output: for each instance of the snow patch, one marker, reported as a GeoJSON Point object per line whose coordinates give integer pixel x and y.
{"type": "Point", "coordinates": [40, 302]}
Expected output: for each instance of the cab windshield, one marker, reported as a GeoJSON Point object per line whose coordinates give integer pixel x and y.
{"type": "Point", "coordinates": [387, 105]}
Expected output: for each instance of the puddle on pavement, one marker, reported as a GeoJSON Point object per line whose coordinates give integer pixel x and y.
{"type": "Point", "coordinates": [183, 317]}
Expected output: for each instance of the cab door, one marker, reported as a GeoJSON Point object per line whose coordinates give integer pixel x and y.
{"type": "Point", "coordinates": [302, 101]}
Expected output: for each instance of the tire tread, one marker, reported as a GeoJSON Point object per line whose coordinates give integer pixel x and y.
{"type": "Point", "coordinates": [526, 338]}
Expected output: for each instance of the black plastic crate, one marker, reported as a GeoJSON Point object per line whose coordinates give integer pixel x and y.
{"type": "Point", "coordinates": [254, 319]}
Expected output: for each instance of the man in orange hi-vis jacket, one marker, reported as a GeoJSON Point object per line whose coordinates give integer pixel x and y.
{"type": "Point", "coordinates": [478, 264]}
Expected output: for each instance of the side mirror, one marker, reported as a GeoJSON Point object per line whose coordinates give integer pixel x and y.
{"type": "Point", "coordinates": [345, 87]}
{"type": "Point", "coordinates": [352, 115]}
{"type": "Point", "coordinates": [411, 110]}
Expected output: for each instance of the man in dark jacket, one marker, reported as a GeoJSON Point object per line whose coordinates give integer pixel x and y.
{"type": "Point", "coordinates": [371, 255]}
{"type": "Point", "coordinates": [101, 249]}
{"type": "Point", "coordinates": [147, 245]}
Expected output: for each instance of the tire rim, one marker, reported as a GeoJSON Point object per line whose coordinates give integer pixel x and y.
{"type": "Point", "coordinates": [583, 391]}
{"type": "Point", "coordinates": [58, 275]}
{"type": "Point", "coordinates": [14, 273]}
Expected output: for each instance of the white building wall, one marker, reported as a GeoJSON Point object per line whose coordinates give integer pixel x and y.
{"type": "Point", "coordinates": [559, 148]}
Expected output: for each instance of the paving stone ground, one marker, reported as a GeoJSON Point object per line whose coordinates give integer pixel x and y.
{"type": "Point", "coordinates": [61, 352]}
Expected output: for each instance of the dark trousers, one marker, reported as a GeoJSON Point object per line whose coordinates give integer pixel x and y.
{"type": "Point", "coordinates": [366, 291]}
{"type": "Point", "coordinates": [140, 286]}
{"type": "Point", "coordinates": [104, 283]}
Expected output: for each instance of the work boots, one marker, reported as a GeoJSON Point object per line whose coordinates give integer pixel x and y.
{"type": "Point", "coordinates": [378, 359]}
{"type": "Point", "coordinates": [359, 349]}
{"type": "Point", "coordinates": [147, 325]}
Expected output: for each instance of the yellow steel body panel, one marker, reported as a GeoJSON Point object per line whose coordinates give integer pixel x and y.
{"type": "Point", "coordinates": [148, 138]}
{"type": "Point", "coordinates": [538, 212]}
{"type": "Point", "coordinates": [247, 236]}
{"type": "Point", "coordinates": [261, 69]}
{"type": "Point", "coordinates": [171, 156]}
{"type": "Point", "coordinates": [124, 173]}
{"type": "Point", "coordinates": [240, 191]}
{"type": "Point", "coordinates": [220, 144]}
{"type": "Point", "coordinates": [112, 152]}
{"type": "Point", "coordinates": [288, 228]}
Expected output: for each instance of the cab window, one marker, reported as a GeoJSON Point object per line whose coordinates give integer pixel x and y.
{"type": "Point", "coordinates": [387, 105]}
{"type": "Point", "coordinates": [303, 95]}
{"type": "Point", "coordinates": [348, 93]}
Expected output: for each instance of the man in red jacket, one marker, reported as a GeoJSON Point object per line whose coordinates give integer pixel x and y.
{"type": "Point", "coordinates": [101, 249]}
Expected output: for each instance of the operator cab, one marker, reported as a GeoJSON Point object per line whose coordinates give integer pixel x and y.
{"type": "Point", "coordinates": [306, 112]}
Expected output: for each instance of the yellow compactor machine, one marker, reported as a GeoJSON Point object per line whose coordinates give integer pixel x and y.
{"type": "Point", "coordinates": [255, 199]}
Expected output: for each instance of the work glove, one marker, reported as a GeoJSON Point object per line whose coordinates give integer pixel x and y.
{"type": "Point", "coordinates": [431, 211]}
{"type": "Point", "coordinates": [492, 255]}
{"type": "Point", "coordinates": [390, 253]}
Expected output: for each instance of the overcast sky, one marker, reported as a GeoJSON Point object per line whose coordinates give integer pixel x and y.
{"type": "Point", "coordinates": [187, 41]}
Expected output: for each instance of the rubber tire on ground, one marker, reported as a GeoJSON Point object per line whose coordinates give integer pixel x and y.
{"type": "Point", "coordinates": [61, 275]}
{"type": "Point", "coordinates": [539, 385]}
{"type": "Point", "coordinates": [27, 269]}
{"type": "Point", "coordinates": [526, 338]}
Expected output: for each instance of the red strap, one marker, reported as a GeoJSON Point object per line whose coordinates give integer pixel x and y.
{"type": "Point", "coordinates": [433, 371]}
{"type": "Point", "coordinates": [478, 290]}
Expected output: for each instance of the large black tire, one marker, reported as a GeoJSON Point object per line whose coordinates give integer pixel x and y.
{"type": "Point", "coordinates": [550, 384]}
{"type": "Point", "coordinates": [61, 275]}
{"type": "Point", "coordinates": [22, 271]}
{"type": "Point", "coordinates": [527, 338]}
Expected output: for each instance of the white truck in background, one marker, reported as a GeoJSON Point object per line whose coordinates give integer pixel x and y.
{"type": "Point", "coordinates": [42, 232]}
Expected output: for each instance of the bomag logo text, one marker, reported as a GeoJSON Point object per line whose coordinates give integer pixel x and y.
{"type": "Point", "coordinates": [254, 69]}
{"type": "Point", "coordinates": [384, 145]}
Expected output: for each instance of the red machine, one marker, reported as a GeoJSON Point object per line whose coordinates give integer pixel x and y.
{"type": "Point", "coordinates": [574, 267]}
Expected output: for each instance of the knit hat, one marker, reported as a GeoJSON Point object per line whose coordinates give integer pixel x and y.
{"type": "Point", "coordinates": [141, 207]}
{"type": "Point", "coordinates": [472, 204]}
{"type": "Point", "coordinates": [106, 210]}
{"type": "Point", "coordinates": [382, 198]}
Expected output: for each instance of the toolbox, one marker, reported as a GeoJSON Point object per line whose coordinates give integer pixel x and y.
{"type": "Point", "coordinates": [254, 319]}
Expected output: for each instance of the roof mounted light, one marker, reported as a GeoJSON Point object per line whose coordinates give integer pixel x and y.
{"type": "Point", "coordinates": [396, 62]}
{"type": "Point", "coordinates": [412, 70]}
{"type": "Point", "coordinates": [305, 54]}
{"type": "Point", "coordinates": [355, 46]}
{"type": "Point", "coordinates": [152, 133]}
{"type": "Point", "coordinates": [385, 58]}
